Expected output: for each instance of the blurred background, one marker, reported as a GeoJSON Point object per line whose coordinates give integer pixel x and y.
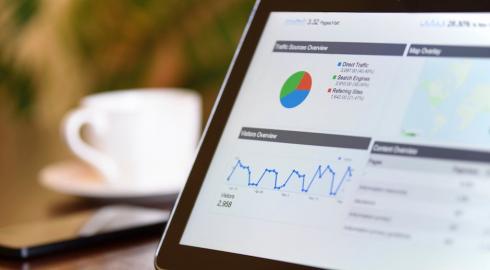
{"type": "Point", "coordinates": [53, 52]}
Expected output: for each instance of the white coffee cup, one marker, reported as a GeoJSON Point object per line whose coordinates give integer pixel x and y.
{"type": "Point", "coordinates": [140, 137]}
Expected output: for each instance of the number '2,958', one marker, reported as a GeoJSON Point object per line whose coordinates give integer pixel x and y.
{"type": "Point", "coordinates": [224, 203]}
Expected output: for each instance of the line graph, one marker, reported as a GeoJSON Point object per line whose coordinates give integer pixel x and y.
{"type": "Point", "coordinates": [334, 186]}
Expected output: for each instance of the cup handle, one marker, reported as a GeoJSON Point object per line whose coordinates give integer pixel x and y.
{"type": "Point", "coordinates": [72, 125]}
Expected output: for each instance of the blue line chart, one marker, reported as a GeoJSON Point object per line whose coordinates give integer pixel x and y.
{"type": "Point", "coordinates": [306, 182]}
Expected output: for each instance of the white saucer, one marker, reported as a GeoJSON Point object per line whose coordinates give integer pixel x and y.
{"type": "Point", "coordinates": [79, 179]}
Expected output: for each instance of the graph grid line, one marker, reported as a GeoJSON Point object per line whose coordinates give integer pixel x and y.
{"type": "Point", "coordinates": [320, 172]}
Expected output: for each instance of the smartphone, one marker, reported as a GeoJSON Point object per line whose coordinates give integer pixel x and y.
{"type": "Point", "coordinates": [80, 229]}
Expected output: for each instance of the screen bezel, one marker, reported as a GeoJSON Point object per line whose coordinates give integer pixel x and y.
{"type": "Point", "coordinates": [172, 255]}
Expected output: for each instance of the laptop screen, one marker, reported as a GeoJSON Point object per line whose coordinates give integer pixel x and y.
{"type": "Point", "coordinates": [357, 141]}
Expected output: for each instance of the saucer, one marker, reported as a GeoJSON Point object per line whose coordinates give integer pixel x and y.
{"type": "Point", "coordinates": [79, 179]}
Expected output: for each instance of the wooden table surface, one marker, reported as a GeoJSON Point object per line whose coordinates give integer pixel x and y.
{"type": "Point", "coordinates": [23, 199]}
{"type": "Point", "coordinates": [133, 253]}
{"type": "Point", "coordinates": [25, 149]}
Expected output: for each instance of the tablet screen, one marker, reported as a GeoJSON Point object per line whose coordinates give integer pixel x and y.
{"type": "Point", "coordinates": [357, 141]}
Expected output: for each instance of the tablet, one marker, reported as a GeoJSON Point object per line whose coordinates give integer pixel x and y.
{"type": "Point", "coordinates": [349, 135]}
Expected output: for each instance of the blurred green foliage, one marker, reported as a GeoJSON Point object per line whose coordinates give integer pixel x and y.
{"type": "Point", "coordinates": [23, 10]}
{"type": "Point", "coordinates": [17, 81]}
{"type": "Point", "coordinates": [117, 43]}
{"type": "Point", "coordinates": [20, 85]}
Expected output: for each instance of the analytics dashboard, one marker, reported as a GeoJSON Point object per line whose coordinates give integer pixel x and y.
{"type": "Point", "coordinates": [357, 141]}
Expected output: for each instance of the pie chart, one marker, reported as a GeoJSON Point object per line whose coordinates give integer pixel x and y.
{"type": "Point", "coordinates": [295, 89]}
